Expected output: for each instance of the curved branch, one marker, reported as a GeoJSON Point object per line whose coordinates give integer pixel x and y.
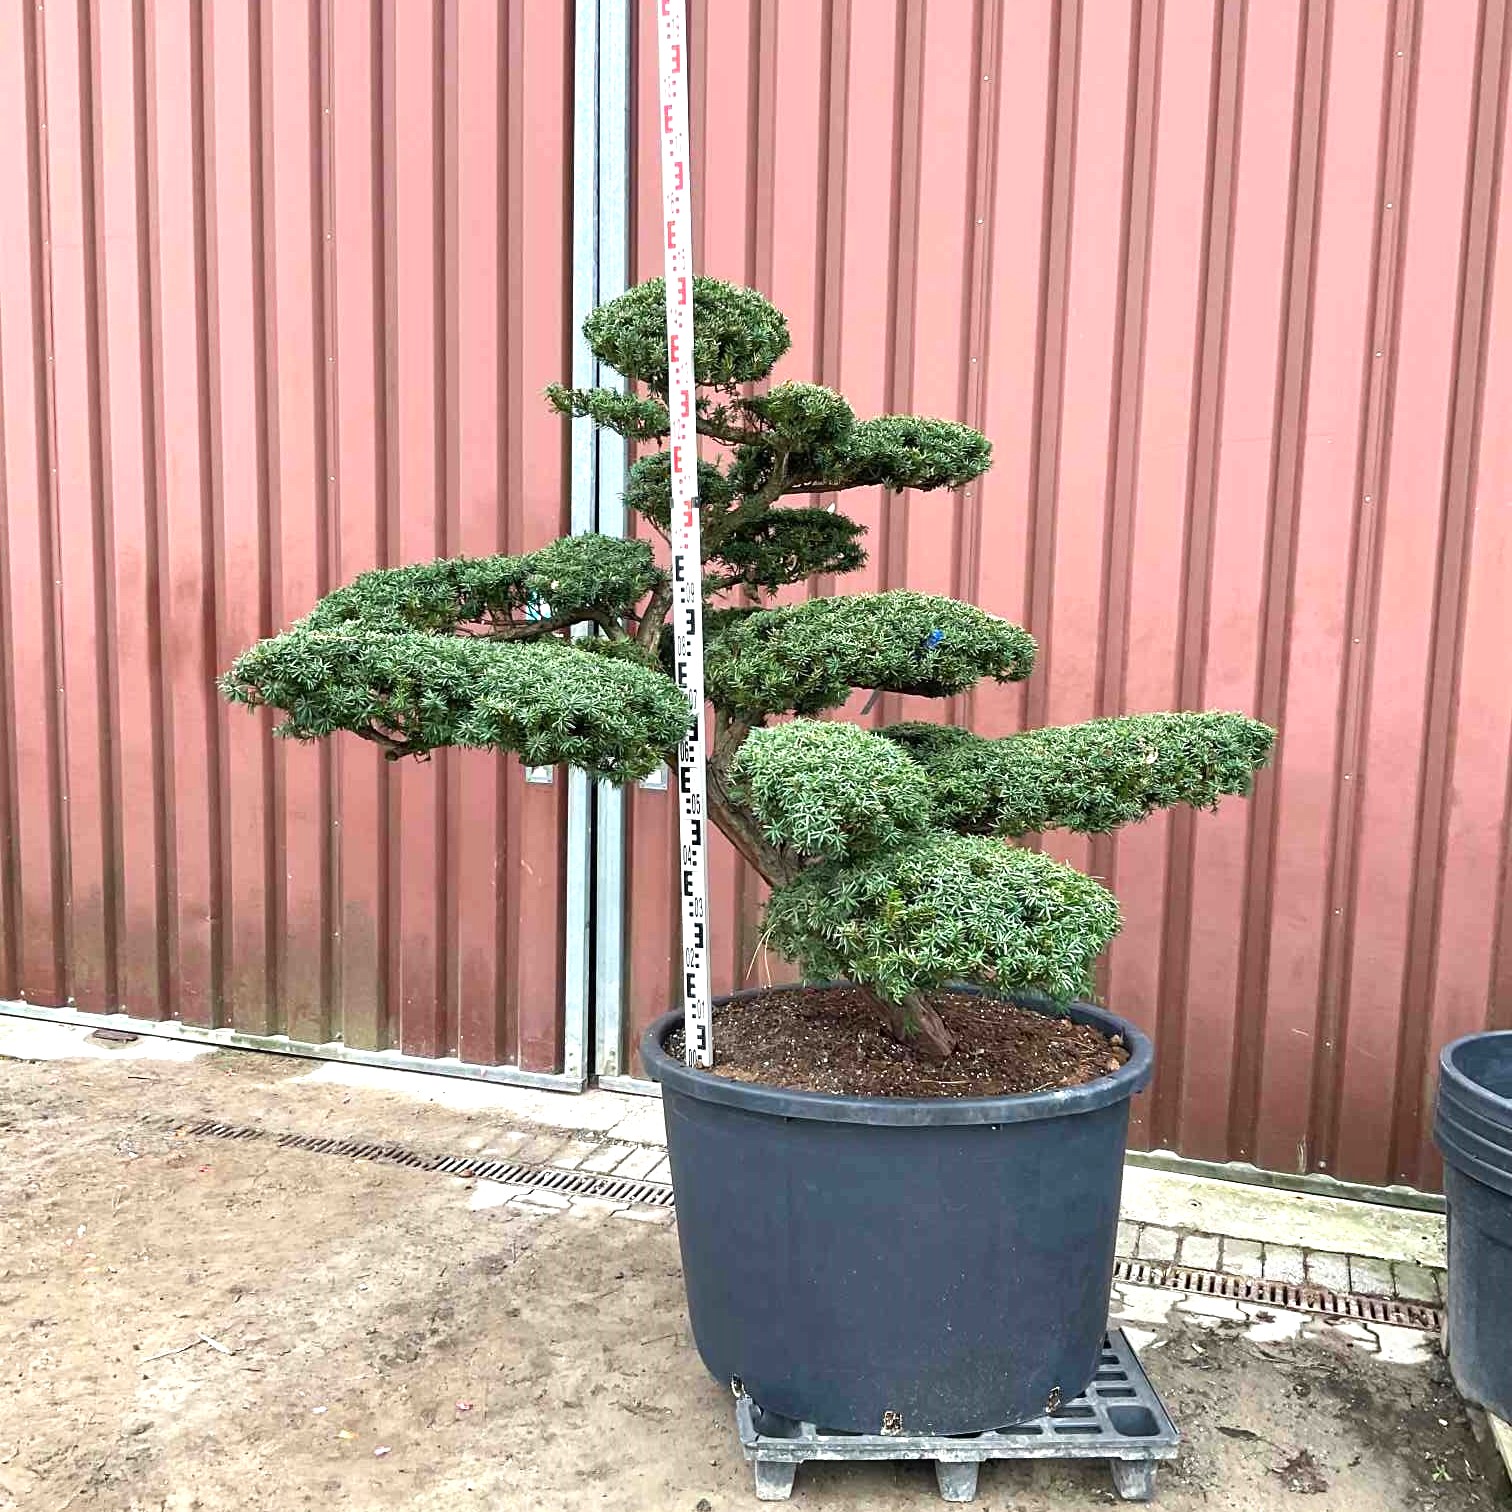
{"type": "Point", "coordinates": [526, 630]}
{"type": "Point", "coordinates": [753, 505]}
{"type": "Point", "coordinates": [714, 422]}
{"type": "Point", "coordinates": [654, 616]}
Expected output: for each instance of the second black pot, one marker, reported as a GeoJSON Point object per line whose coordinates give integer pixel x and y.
{"type": "Point", "coordinates": [1473, 1128]}
{"type": "Point", "coordinates": [937, 1265]}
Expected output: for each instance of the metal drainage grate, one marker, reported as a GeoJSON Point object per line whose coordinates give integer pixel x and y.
{"type": "Point", "coordinates": [1313, 1299]}
{"type": "Point", "coordinates": [542, 1178]}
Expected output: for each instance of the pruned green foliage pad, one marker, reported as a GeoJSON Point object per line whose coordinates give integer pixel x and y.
{"type": "Point", "coordinates": [738, 334]}
{"type": "Point", "coordinates": [1089, 777]}
{"type": "Point", "coordinates": [946, 908]}
{"type": "Point", "coordinates": [906, 451]}
{"type": "Point", "coordinates": [807, 657]}
{"type": "Point", "coordinates": [569, 580]}
{"type": "Point", "coordinates": [830, 789]}
{"type": "Point", "coordinates": [634, 418]}
{"type": "Point", "coordinates": [648, 489]}
{"type": "Point", "coordinates": [805, 415]}
{"type": "Point", "coordinates": [547, 701]}
{"type": "Point", "coordinates": [782, 546]}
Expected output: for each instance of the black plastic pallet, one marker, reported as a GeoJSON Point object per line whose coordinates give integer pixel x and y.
{"type": "Point", "coordinates": [1119, 1418]}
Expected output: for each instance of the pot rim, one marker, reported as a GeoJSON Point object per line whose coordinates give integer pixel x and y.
{"type": "Point", "coordinates": [1475, 1094]}
{"type": "Point", "coordinates": [830, 1107]}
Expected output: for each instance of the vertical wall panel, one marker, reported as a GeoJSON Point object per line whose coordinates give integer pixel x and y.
{"type": "Point", "coordinates": [475, 488]}
{"type": "Point", "coordinates": [538, 235]}
{"type": "Point", "coordinates": [933, 374]}
{"type": "Point", "coordinates": [129, 473]}
{"type": "Point", "coordinates": [1390, 772]}
{"type": "Point", "coordinates": [35, 852]}
{"type": "Point", "coordinates": [1465, 744]}
{"type": "Point", "coordinates": [231, 113]}
{"type": "Point", "coordinates": [1234, 277]}
{"type": "Point", "coordinates": [864, 180]}
{"type": "Point", "coordinates": [1472, 908]}
{"type": "Point", "coordinates": [280, 287]}
{"type": "Point", "coordinates": [83, 510]}
{"type": "Point", "coordinates": [184, 491]}
{"type": "Point", "coordinates": [1165, 441]}
{"type": "Point", "coordinates": [359, 418]}
{"type": "Point", "coordinates": [416, 378]}
{"type": "Point", "coordinates": [299, 492]}
{"type": "Point", "coordinates": [1229, 655]}
{"type": "Point", "coordinates": [1019, 76]}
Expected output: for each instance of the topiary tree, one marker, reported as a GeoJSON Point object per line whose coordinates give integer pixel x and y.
{"type": "Point", "coordinates": [885, 850]}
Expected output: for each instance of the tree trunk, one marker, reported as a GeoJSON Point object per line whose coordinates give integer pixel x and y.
{"type": "Point", "coordinates": [914, 1023]}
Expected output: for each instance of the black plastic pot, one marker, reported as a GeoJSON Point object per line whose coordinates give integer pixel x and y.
{"type": "Point", "coordinates": [1473, 1129]}
{"type": "Point", "coordinates": [936, 1264]}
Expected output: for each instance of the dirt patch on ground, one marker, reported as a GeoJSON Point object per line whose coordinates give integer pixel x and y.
{"type": "Point", "coordinates": [1315, 1418]}
{"type": "Point", "coordinates": [389, 1348]}
{"type": "Point", "coordinates": [829, 1039]}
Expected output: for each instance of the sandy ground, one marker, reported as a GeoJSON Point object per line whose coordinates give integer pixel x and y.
{"type": "Point", "coordinates": [388, 1347]}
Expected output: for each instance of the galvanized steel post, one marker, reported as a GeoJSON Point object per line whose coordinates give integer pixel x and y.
{"type": "Point", "coordinates": [600, 258]}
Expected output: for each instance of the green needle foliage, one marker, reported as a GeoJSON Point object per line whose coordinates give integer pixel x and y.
{"type": "Point", "coordinates": [634, 418]}
{"type": "Point", "coordinates": [782, 546]}
{"type": "Point", "coordinates": [648, 489]}
{"type": "Point", "coordinates": [808, 657]}
{"type": "Point", "coordinates": [886, 851]}
{"type": "Point", "coordinates": [1091, 777]}
{"type": "Point", "coordinates": [946, 908]}
{"type": "Point", "coordinates": [737, 334]}
{"type": "Point", "coordinates": [573, 579]}
{"type": "Point", "coordinates": [832, 790]}
{"type": "Point", "coordinates": [548, 701]}
{"type": "Point", "coordinates": [809, 417]}
{"type": "Point", "coordinates": [906, 451]}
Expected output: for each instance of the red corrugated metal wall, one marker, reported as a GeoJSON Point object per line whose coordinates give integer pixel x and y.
{"type": "Point", "coordinates": [1220, 282]}
{"type": "Point", "coordinates": [280, 286]}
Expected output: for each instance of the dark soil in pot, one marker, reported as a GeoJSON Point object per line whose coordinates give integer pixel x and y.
{"type": "Point", "coordinates": [830, 1039]}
